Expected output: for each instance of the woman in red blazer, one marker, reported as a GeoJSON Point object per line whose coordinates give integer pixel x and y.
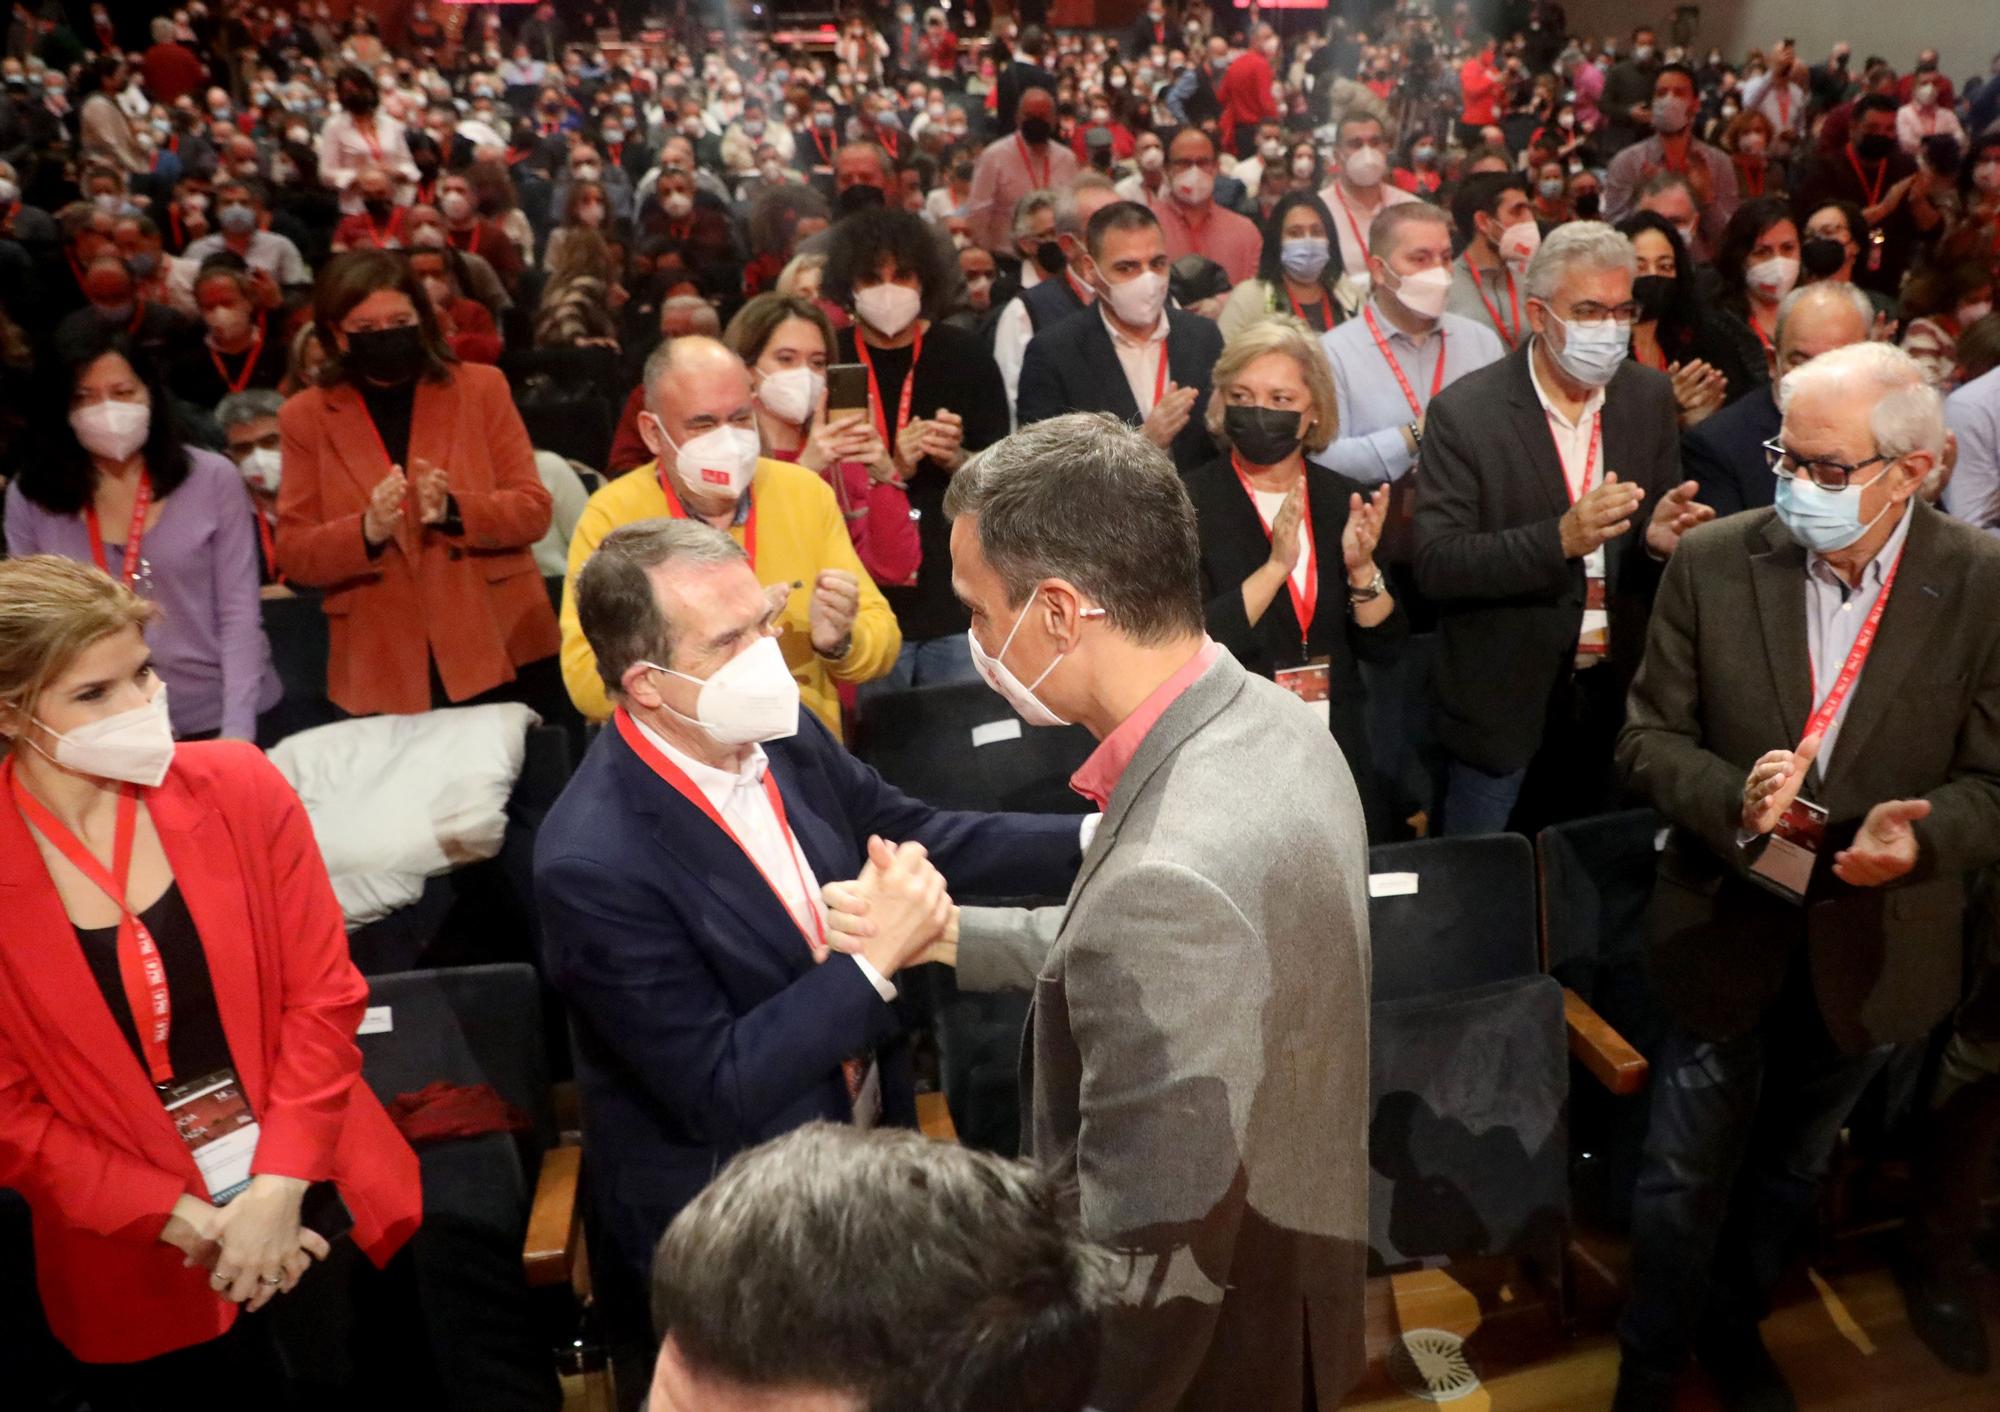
{"type": "Point", "coordinates": [179, 885]}
{"type": "Point", "coordinates": [410, 496]}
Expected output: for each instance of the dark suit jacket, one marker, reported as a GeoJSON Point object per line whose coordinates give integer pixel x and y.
{"type": "Point", "coordinates": [1726, 679]}
{"type": "Point", "coordinates": [1234, 546]}
{"type": "Point", "coordinates": [1049, 302]}
{"type": "Point", "coordinates": [1726, 453]}
{"type": "Point", "coordinates": [1071, 366]}
{"type": "Point", "coordinates": [1490, 491]}
{"type": "Point", "coordinates": [702, 1025]}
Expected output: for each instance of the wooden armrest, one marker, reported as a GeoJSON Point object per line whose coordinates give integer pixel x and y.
{"type": "Point", "coordinates": [549, 1252]}
{"type": "Point", "coordinates": [934, 1118]}
{"type": "Point", "coordinates": [1601, 1049]}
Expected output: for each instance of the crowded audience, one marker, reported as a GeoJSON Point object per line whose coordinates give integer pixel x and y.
{"type": "Point", "coordinates": [676, 379]}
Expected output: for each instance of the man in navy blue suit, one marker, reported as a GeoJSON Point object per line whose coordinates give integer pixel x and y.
{"type": "Point", "coordinates": [679, 878]}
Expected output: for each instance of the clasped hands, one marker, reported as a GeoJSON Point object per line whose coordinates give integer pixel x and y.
{"type": "Point", "coordinates": [1884, 848]}
{"type": "Point", "coordinates": [254, 1248]}
{"type": "Point", "coordinates": [1605, 511]}
{"type": "Point", "coordinates": [896, 914]}
{"type": "Point", "coordinates": [385, 502]}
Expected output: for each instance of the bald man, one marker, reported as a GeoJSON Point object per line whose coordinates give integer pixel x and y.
{"type": "Point", "coordinates": [699, 423]}
{"type": "Point", "coordinates": [1725, 453]}
{"type": "Point", "coordinates": [1027, 159]}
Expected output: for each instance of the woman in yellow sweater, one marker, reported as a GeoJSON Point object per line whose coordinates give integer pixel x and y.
{"type": "Point", "coordinates": [700, 424]}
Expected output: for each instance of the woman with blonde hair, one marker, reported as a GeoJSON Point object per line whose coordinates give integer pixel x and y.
{"type": "Point", "coordinates": [1288, 547]}
{"type": "Point", "coordinates": [180, 1092]}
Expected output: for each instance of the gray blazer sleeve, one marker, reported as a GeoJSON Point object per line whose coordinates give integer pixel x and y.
{"type": "Point", "coordinates": [1005, 948]}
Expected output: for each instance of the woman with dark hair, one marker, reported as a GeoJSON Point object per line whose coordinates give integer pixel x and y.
{"type": "Point", "coordinates": [1712, 357]}
{"type": "Point", "coordinates": [359, 137]}
{"type": "Point", "coordinates": [585, 207]}
{"type": "Point", "coordinates": [1421, 172]}
{"type": "Point", "coordinates": [579, 303]}
{"type": "Point", "coordinates": [935, 396]}
{"type": "Point", "coordinates": [244, 349]}
{"type": "Point", "coordinates": [1758, 260]}
{"type": "Point", "coordinates": [112, 483]}
{"type": "Point", "coordinates": [432, 595]}
{"type": "Point", "coordinates": [1298, 273]}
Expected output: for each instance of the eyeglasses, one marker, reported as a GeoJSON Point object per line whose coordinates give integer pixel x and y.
{"type": "Point", "coordinates": [1590, 315]}
{"type": "Point", "coordinates": [1822, 471]}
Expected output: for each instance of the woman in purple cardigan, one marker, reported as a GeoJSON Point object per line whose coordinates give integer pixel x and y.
{"type": "Point", "coordinates": [111, 483]}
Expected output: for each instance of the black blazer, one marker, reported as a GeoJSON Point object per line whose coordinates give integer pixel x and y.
{"type": "Point", "coordinates": [1234, 546]}
{"type": "Point", "coordinates": [1725, 679]}
{"type": "Point", "coordinates": [1071, 366]}
{"type": "Point", "coordinates": [1725, 454]}
{"type": "Point", "coordinates": [1490, 491]}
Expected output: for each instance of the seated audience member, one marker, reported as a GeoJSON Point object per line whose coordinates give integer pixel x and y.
{"type": "Point", "coordinates": [1058, 293]}
{"type": "Point", "coordinates": [1297, 275]}
{"type": "Point", "coordinates": [1497, 223]}
{"type": "Point", "coordinates": [935, 397]}
{"type": "Point", "coordinates": [1668, 195]}
{"type": "Point", "coordinates": [1129, 354]}
{"type": "Point", "coordinates": [154, 1254]}
{"type": "Point", "coordinates": [585, 208]}
{"type": "Point", "coordinates": [1939, 303]}
{"type": "Point", "coordinates": [253, 440]}
{"type": "Point", "coordinates": [1406, 347]}
{"type": "Point", "coordinates": [786, 344]}
{"type": "Point", "coordinates": [1006, 1314]}
{"type": "Point", "coordinates": [1725, 454]}
{"type": "Point", "coordinates": [1357, 194]}
{"type": "Point", "coordinates": [1973, 414]}
{"type": "Point", "coordinates": [1288, 549]}
{"type": "Point", "coordinates": [1831, 243]}
{"type": "Point", "coordinates": [579, 301]}
{"type": "Point", "coordinates": [112, 304]}
{"type": "Point", "coordinates": [699, 424]}
{"type": "Point", "coordinates": [243, 230]}
{"type": "Point", "coordinates": [1712, 356]}
{"type": "Point", "coordinates": [1192, 221]}
{"type": "Point", "coordinates": [113, 483]}
{"type": "Point", "coordinates": [1811, 962]}
{"type": "Point", "coordinates": [703, 1029]}
{"type": "Point", "coordinates": [471, 231]}
{"type": "Point", "coordinates": [244, 347]}
{"type": "Point", "coordinates": [463, 323]}
{"type": "Point", "coordinates": [675, 222]}
{"type": "Point", "coordinates": [410, 497]}
{"type": "Point", "coordinates": [378, 225]}
{"type": "Point", "coordinates": [303, 360]}
{"type": "Point", "coordinates": [1758, 262]}
{"type": "Point", "coordinates": [1534, 648]}
{"type": "Point", "coordinates": [426, 231]}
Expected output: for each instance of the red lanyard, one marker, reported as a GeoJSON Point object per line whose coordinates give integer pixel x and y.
{"type": "Point", "coordinates": [1360, 240]}
{"type": "Point", "coordinates": [1409, 394]}
{"type": "Point", "coordinates": [138, 317]}
{"type": "Point", "coordinates": [135, 538]}
{"type": "Point", "coordinates": [270, 546]}
{"type": "Point", "coordinates": [614, 153]}
{"type": "Point", "coordinates": [1762, 337]}
{"type": "Point", "coordinates": [375, 233]}
{"type": "Point", "coordinates": [677, 777]}
{"type": "Point", "coordinates": [1305, 601]}
{"type": "Point", "coordinates": [374, 147]}
{"type": "Point", "coordinates": [1085, 295]}
{"type": "Point", "coordinates": [1667, 161]}
{"type": "Point", "coordinates": [471, 246]}
{"type": "Point", "coordinates": [1493, 308]}
{"type": "Point", "coordinates": [823, 140]}
{"type": "Point", "coordinates": [1784, 96]}
{"type": "Point", "coordinates": [676, 510]}
{"type": "Point", "coordinates": [1743, 175]}
{"type": "Point", "coordinates": [1874, 193]}
{"type": "Point", "coordinates": [139, 967]}
{"type": "Point", "coordinates": [875, 392]}
{"type": "Point", "coordinates": [241, 380]}
{"type": "Point", "coordinates": [1857, 655]}
{"type": "Point", "coordinates": [1577, 493]}
{"type": "Point", "coordinates": [1299, 309]}
{"type": "Point", "coordinates": [1048, 160]}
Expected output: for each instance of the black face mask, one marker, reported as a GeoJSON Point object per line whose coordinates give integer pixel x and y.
{"type": "Point", "coordinates": [1652, 293]}
{"type": "Point", "coordinates": [1051, 257]}
{"type": "Point", "coordinates": [386, 355]}
{"type": "Point", "coordinates": [1265, 435]}
{"type": "Point", "coordinates": [860, 198]}
{"type": "Point", "coordinates": [378, 206]}
{"type": "Point", "coordinates": [1820, 257]}
{"type": "Point", "coordinates": [1035, 131]}
{"type": "Point", "coordinates": [1587, 203]}
{"type": "Point", "coordinates": [1876, 145]}
{"type": "Point", "coordinates": [358, 102]}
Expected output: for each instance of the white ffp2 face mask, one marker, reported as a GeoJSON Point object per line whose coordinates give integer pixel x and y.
{"type": "Point", "coordinates": [993, 670]}
{"type": "Point", "coordinates": [1139, 300]}
{"type": "Point", "coordinates": [261, 470]}
{"type": "Point", "coordinates": [1425, 292]}
{"type": "Point", "coordinates": [888, 308]}
{"type": "Point", "coordinates": [791, 395]}
{"type": "Point", "coordinates": [134, 746]}
{"type": "Point", "coordinates": [718, 462]}
{"type": "Point", "coordinates": [750, 698]}
{"type": "Point", "coordinates": [113, 430]}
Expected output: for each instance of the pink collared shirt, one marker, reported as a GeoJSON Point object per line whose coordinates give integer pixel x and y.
{"type": "Point", "coordinates": [1100, 774]}
{"type": "Point", "coordinates": [1232, 241]}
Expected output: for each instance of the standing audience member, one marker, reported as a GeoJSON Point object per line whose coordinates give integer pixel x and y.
{"type": "Point", "coordinates": [1973, 414]}
{"type": "Point", "coordinates": [1357, 194]}
{"type": "Point", "coordinates": [253, 440]}
{"type": "Point", "coordinates": [1673, 147]}
{"type": "Point", "coordinates": [1758, 262]}
{"type": "Point", "coordinates": [243, 348]}
{"type": "Point", "coordinates": [1712, 356]}
{"type": "Point", "coordinates": [1025, 158]}
{"type": "Point", "coordinates": [1299, 273]}
{"type": "Point", "coordinates": [1497, 224]}
{"type": "Point", "coordinates": [1192, 221]}
{"type": "Point", "coordinates": [1893, 192]}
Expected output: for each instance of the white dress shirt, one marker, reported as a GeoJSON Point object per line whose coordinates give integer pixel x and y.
{"type": "Point", "coordinates": [1141, 360]}
{"type": "Point", "coordinates": [739, 798]}
{"type": "Point", "coordinates": [1573, 440]}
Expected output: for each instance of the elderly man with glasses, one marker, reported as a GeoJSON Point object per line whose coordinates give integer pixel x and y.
{"type": "Point", "coordinates": [1815, 716]}
{"type": "Point", "coordinates": [1548, 490]}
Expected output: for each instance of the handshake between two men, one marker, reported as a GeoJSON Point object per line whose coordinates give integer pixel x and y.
{"type": "Point", "coordinates": [897, 913]}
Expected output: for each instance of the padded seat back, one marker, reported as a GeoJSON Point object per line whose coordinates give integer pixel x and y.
{"type": "Point", "coordinates": [960, 746]}
{"type": "Point", "coordinates": [1462, 914]}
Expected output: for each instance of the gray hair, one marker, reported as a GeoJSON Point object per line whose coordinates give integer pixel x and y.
{"type": "Point", "coordinates": [1386, 230]}
{"type": "Point", "coordinates": [615, 602]}
{"type": "Point", "coordinates": [252, 405]}
{"type": "Point", "coordinates": [1824, 291]}
{"type": "Point", "coordinates": [1135, 552]}
{"type": "Point", "coordinates": [1069, 220]}
{"type": "Point", "coordinates": [162, 30]}
{"type": "Point", "coordinates": [1030, 206]}
{"type": "Point", "coordinates": [981, 1292]}
{"type": "Point", "coordinates": [1577, 245]}
{"type": "Point", "coordinates": [1907, 415]}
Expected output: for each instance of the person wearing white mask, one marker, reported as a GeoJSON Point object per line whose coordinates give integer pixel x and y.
{"type": "Point", "coordinates": [700, 423]}
{"type": "Point", "coordinates": [1148, 178]}
{"type": "Point", "coordinates": [119, 487]}
{"type": "Point", "coordinates": [252, 439]}
{"type": "Point", "coordinates": [1925, 116]}
{"type": "Point", "coordinates": [679, 882]}
{"type": "Point", "coordinates": [1193, 222]}
{"type": "Point", "coordinates": [189, 950]}
{"type": "Point", "coordinates": [1673, 147]}
{"type": "Point", "coordinates": [1759, 263]}
{"type": "Point", "coordinates": [1497, 220]}
{"type": "Point", "coordinates": [1358, 193]}
{"type": "Point", "coordinates": [1529, 671]}
{"type": "Point", "coordinates": [1128, 354]}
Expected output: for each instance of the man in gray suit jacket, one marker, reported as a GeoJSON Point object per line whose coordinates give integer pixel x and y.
{"type": "Point", "coordinates": [1198, 1059]}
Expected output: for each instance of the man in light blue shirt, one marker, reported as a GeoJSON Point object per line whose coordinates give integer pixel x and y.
{"type": "Point", "coordinates": [1381, 402]}
{"type": "Point", "coordinates": [1973, 414]}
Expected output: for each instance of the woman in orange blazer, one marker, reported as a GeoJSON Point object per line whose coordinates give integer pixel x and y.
{"type": "Point", "coordinates": [410, 496]}
{"type": "Point", "coordinates": [117, 846]}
